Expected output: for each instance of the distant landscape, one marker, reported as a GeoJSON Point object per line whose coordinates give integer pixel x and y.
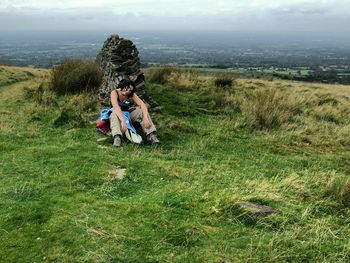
{"type": "Point", "coordinates": [295, 56]}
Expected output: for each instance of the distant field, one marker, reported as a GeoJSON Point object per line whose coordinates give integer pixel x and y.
{"type": "Point", "coordinates": [277, 143]}
{"type": "Point", "coordinates": [301, 71]}
{"type": "Point", "coordinates": [336, 74]}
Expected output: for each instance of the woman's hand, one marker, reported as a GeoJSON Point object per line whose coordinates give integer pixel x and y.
{"type": "Point", "coordinates": [147, 123]}
{"type": "Point", "coordinates": [123, 127]}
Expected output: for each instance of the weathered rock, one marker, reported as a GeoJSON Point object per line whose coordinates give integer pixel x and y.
{"type": "Point", "coordinates": [94, 117]}
{"type": "Point", "coordinates": [157, 109]}
{"type": "Point", "coordinates": [117, 173]}
{"type": "Point", "coordinates": [119, 60]}
{"type": "Point", "coordinates": [257, 209]}
{"type": "Point", "coordinates": [102, 139]}
{"type": "Point", "coordinates": [102, 147]}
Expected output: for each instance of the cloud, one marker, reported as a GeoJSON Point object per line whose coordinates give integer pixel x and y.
{"type": "Point", "coordinates": [67, 4]}
{"type": "Point", "coordinates": [174, 15]}
{"type": "Point", "coordinates": [182, 7]}
{"type": "Point", "coordinates": [299, 10]}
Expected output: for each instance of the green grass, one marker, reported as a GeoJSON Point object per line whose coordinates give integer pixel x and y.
{"type": "Point", "coordinates": [10, 75]}
{"type": "Point", "coordinates": [178, 201]}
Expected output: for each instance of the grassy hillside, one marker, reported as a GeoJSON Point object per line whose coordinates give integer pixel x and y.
{"type": "Point", "coordinates": [275, 143]}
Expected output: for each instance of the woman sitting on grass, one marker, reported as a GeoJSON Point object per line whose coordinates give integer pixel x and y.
{"type": "Point", "coordinates": [120, 103]}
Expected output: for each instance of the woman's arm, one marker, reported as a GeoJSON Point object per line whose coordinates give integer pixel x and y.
{"type": "Point", "coordinates": [144, 110]}
{"type": "Point", "coordinates": [117, 110]}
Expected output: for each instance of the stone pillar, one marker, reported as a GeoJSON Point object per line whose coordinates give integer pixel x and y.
{"type": "Point", "coordinates": [119, 60]}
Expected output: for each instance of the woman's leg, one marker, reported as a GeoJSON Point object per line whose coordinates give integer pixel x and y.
{"type": "Point", "coordinates": [136, 116]}
{"type": "Point", "coordinates": [115, 124]}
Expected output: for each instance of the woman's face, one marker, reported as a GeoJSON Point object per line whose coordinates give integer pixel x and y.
{"type": "Point", "coordinates": [127, 90]}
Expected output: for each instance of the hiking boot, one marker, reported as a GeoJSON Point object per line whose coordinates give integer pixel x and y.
{"type": "Point", "coordinates": [117, 141]}
{"type": "Point", "coordinates": [152, 138]}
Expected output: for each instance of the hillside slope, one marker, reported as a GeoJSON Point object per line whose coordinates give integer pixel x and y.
{"type": "Point", "coordinates": [63, 198]}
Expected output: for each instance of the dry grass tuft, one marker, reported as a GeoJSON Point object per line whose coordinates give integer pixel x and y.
{"type": "Point", "coordinates": [41, 95]}
{"type": "Point", "coordinates": [75, 108]}
{"type": "Point", "coordinates": [180, 79]}
{"type": "Point", "coordinates": [269, 108]}
{"type": "Point", "coordinates": [223, 82]}
{"type": "Point", "coordinates": [339, 189]}
{"type": "Point", "coordinates": [160, 75]}
{"type": "Point", "coordinates": [76, 75]}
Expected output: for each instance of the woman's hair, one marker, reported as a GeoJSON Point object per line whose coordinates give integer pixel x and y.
{"type": "Point", "coordinates": [123, 84]}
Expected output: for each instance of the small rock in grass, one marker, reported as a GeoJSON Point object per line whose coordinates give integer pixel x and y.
{"type": "Point", "coordinates": [117, 173]}
{"type": "Point", "coordinates": [157, 109]}
{"type": "Point", "coordinates": [94, 117]}
{"type": "Point", "coordinates": [257, 209]}
{"type": "Point", "coordinates": [102, 146]}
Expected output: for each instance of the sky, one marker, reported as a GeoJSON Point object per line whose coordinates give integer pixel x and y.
{"type": "Point", "coordinates": [327, 16]}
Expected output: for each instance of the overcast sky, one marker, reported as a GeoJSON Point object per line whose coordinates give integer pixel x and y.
{"type": "Point", "coordinates": [117, 15]}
